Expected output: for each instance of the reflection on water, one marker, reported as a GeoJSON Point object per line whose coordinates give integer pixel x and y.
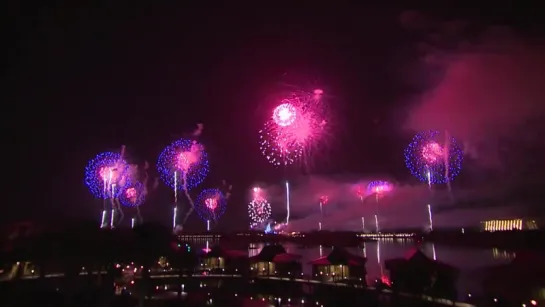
{"type": "Point", "coordinates": [501, 254]}
{"type": "Point", "coordinates": [470, 262]}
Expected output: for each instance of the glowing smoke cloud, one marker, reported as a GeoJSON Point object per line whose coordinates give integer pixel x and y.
{"type": "Point", "coordinates": [405, 206]}
{"type": "Point", "coordinates": [485, 89]}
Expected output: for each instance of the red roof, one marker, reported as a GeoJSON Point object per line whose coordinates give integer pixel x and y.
{"type": "Point", "coordinates": [286, 258]}
{"type": "Point", "coordinates": [339, 256]}
{"type": "Point", "coordinates": [418, 258]}
{"type": "Point", "coordinates": [217, 251]}
{"type": "Point", "coordinates": [269, 253]}
{"type": "Point", "coordinates": [279, 258]}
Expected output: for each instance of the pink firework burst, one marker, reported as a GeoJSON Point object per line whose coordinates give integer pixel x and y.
{"type": "Point", "coordinates": [297, 127]}
{"type": "Point", "coordinates": [131, 194]}
{"type": "Point", "coordinates": [379, 188]}
{"type": "Point", "coordinates": [188, 158]}
{"type": "Point", "coordinates": [324, 199]}
{"type": "Point", "coordinates": [211, 203]}
{"type": "Point", "coordinates": [285, 114]}
{"type": "Point", "coordinates": [432, 152]}
{"type": "Point", "coordinates": [359, 192]}
{"type": "Point", "coordinates": [109, 174]}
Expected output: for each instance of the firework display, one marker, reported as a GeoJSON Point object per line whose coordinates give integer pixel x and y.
{"type": "Point", "coordinates": [285, 114]}
{"type": "Point", "coordinates": [291, 133]}
{"type": "Point", "coordinates": [183, 164]}
{"type": "Point", "coordinates": [433, 157]}
{"type": "Point", "coordinates": [211, 204]}
{"type": "Point", "coordinates": [379, 187]}
{"type": "Point", "coordinates": [133, 195]}
{"type": "Point", "coordinates": [277, 147]}
{"type": "Point", "coordinates": [296, 127]}
{"type": "Point", "coordinates": [259, 209]}
{"type": "Point", "coordinates": [106, 174]}
{"type": "Point", "coordinates": [323, 201]}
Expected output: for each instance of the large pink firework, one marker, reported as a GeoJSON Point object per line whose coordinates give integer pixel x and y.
{"type": "Point", "coordinates": [297, 126]}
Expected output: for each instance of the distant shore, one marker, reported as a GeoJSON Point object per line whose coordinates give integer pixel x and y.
{"type": "Point", "coordinates": [507, 240]}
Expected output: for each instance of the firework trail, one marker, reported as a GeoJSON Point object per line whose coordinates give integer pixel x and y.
{"type": "Point", "coordinates": [183, 165]}
{"type": "Point", "coordinates": [378, 189]}
{"type": "Point", "coordinates": [323, 200]}
{"type": "Point", "coordinates": [186, 192]}
{"type": "Point", "coordinates": [188, 160]}
{"type": "Point", "coordinates": [144, 192]}
{"type": "Point", "coordinates": [105, 176]}
{"type": "Point", "coordinates": [116, 205]}
{"type": "Point", "coordinates": [227, 188]}
{"type": "Point", "coordinates": [446, 158]}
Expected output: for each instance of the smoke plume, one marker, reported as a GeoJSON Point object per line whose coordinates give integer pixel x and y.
{"type": "Point", "coordinates": [486, 83]}
{"type": "Point", "coordinates": [405, 206]}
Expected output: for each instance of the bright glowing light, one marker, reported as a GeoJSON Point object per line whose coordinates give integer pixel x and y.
{"type": "Point", "coordinates": [297, 128]}
{"type": "Point", "coordinates": [285, 114]}
{"type": "Point", "coordinates": [133, 195]}
{"type": "Point", "coordinates": [183, 162]}
{"type": "Point", "coordinates": [433, 157]}
{"type": "Point", "coordinates": [379, 187]}
{"type": "Point", "coordinates": [432, 152]}
{"type": "Point", "coordinates": [211, 204]}
{"type": "Point", "coordinates": [430, 217]}
{"type": "Point", "coordinates": [106, 174]}
{"type": "Point", "coordinates": [277, 147]}
{"type": "Point", "coordinates": [324, 199]}
{"type": "Point", "coordinates": [259, 210]}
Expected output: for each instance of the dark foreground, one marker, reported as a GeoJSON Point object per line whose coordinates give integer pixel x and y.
{"type": "Point", "coordinates": [196, 291]}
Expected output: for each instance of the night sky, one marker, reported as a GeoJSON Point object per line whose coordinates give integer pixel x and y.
{"type": "Point", "coordinates": [89, 79]}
